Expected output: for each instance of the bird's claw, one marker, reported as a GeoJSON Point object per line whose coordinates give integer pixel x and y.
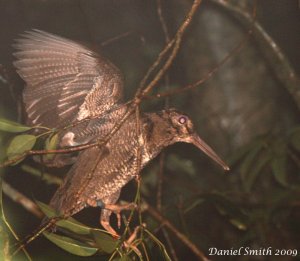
{"type": "Point", "coordinates": [118, 208]}
{"type": "Point", "coordinates": [129, 242]}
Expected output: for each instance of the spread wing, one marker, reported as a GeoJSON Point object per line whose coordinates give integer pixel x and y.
{"type": "Point", "coordinates": [65, 81]}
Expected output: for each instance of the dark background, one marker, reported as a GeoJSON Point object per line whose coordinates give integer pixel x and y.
{"type": "Point", "coordinates": [247, 102]}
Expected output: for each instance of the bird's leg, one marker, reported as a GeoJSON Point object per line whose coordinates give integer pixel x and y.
{"type": "Point", "coordinates": [118, 208]}
{"type": "Point", "coordinates": [104, 221]}
{"type": "Point", "coordinates": [106, 211]}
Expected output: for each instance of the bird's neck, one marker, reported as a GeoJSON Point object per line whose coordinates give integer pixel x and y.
{"type": "Point", "coordinates": [155, 135]}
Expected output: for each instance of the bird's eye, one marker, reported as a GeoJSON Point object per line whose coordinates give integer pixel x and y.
{"type": "Point", "coordinates": [182, 119]}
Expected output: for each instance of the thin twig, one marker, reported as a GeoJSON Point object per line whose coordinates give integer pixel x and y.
{"type": "Point", "coordinates": [170, 244]}
{"type": "Point", "coordinates": [162, 21]}
{"type": "Point", "coordinates": [139, 96]}
{"type": "Point", "coordinates": [156, 215]}
{"type": "Point", "coordinates": [177, 43]}
{"type": "Point", "coordinates": [116, 38]}
{"type": "Point", "coordinates": [21, 199]}
{"type": "Point", "coordinates": [160, 173]}
{"type": "Point", "coordinates": [44, 152]}
{"type": "Point", "coordinates": [162, 155]}
{"type": "Point", "coordinates": [49, 224]}
{"type": "Point", "coordinates": [216, 68]}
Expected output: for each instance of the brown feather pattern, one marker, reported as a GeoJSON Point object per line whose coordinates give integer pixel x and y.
{"type": "Point", "coordinates": [65, 80]}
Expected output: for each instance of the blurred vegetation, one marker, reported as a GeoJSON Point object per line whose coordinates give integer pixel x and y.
{"type": "Point", "coordinates": [248, 112]}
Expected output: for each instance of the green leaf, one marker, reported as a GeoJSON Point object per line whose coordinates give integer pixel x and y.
{"type": "Point", "coordinates": [104, 241]}
{"type": "Point", "coordinates": [71, 245]}
{"type": "Point", "coordinates": [51, 144]}
{"type": "Point", "coordinates": [20, 144]}
{"type": "Point", "coordinates": [278, 165]}
{"type": "Point", "coordinates": [249, 160]}
{"type": "Point", "coordinates": [258, 165]}
{"type": "Point", "coordinates": [69, 223]}
{"type": "Point", "coordinates": [74, 226]}
{"type": "Point", "coordinates": [11, 126]}
{"type": "Point", "coordinates": [194, 204]}
{"type": "Point", "coordinates": [279, 161]}
{"type": "Point", "coordinates": [48, 211]}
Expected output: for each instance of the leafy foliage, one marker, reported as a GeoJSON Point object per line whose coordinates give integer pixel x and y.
{"type": "Point", "coordinates": [256, 205]}
{"type": "Point", "coordinates": [11, 126]}
{"type": "Point", "coordinates": [20, 145]}
{"type": "Point", "coordinates": [51, 144]}
{"type": "Point", "coordinates": [88, 241]}
{"type": "Point", "coordinates": [71, 245]}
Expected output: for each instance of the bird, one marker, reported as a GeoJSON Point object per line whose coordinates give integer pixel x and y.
{"type": "Point", "coordinates": [69, 84]}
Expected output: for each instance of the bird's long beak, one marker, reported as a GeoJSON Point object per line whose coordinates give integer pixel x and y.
{"type": "Point", "coordinates": [199, 143]}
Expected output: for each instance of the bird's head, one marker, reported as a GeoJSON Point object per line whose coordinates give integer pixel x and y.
{"type": "Point", "coordinates": [181, 129]}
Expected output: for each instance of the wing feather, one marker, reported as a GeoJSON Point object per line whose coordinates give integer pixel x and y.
{"type": "Point", "coordinates": [65, 81]}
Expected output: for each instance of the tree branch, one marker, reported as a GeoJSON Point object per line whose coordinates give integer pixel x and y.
{"type": "Point", "coordinates": [177, 43]}
{"type": "Point", "coordinates": [156, 215]}
{"type": "Point", "coordinates": [21, 199]}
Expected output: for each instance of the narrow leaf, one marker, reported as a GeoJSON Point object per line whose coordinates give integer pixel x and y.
{"type": "Point", "coordinates": [11, 126]}
{"type": "Point", "coordinates": [48, 211]}
{"type": "Point", "coordinates": [71, 245]}
{"type": "Point", "coordinates": [278, 165]}
{"type": "Point", "coordinates": [249, 160]}
{"type": "Point", "coordinates": [279, 161]}
{"type": "Point", "coordinates": [258, 165]}
{"type": "Point", "coordinates": [74, 226]}
{"type": "Point", "coordinates": [20, 144]}
{"type": "Point", "coordinates": [51, 144]}
{"type": "Point", "coordinates": [104, 241]}
{"type": "Point", "coordinates": [69, 223]}
{"type": "Point", "coordinates": [194, 205]}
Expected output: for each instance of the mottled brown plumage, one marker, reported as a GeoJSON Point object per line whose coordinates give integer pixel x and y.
{"type": "Point", "coordinates": [67, 83]}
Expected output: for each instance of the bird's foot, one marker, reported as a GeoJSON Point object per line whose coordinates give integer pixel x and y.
{"type": "Point", "coordinates": [107, 209]}
{"type": "Point", "coordinates": [118, 208]}
{"type": "Point", "coordinates": [109, 229]}
{"type": "Point", "coordinates": [129, 243]}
